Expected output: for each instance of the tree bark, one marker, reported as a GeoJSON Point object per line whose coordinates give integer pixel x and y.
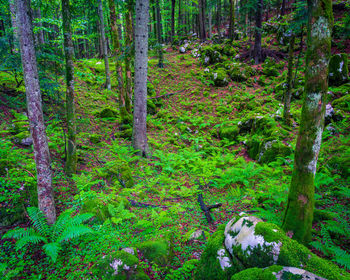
{"type": "Point", "coordinates": [172, 20]}
{"type": "Point", "coordinates": [210, 18]}
{"type": "Point", "coordinates": [298, 217]}
{"type": "Point", "coordinates": [258, 25]}
{"type": "Point", "coordinates": [35, 113]}
{"type": "Point", "coordinates": [159, 35]}
{"type": "Point", "coordinates": [288, 93]}
{"type": "Point", "coordinates": [40, 34]}
{"type": "Point", "coordinates": [128, 57]}
{"type": "Point", "coordinates": [218, 18]}
{"type": "Point", "coordinates": [201, 8]}
{"type": "Point", "coordinates": [104, 45]}
{"type": "Point", "coordinates": [179, 20]}
{"type": "Point", "coordinates": [283, 8]}
{"type": "Point", "coordinates": [139, 135]}
{"type": "Point", "coordinates": [232, 20]}
{"type": "Point", "coordinates": [13, 12]}
{"type": "Point", "coordinates": [71, 156]}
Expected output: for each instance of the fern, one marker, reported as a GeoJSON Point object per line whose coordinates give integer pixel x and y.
{"type": "Point", "coordinates": [65, 229]}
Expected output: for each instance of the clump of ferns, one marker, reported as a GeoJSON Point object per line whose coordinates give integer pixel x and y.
{"type": "Point", "coordinates": [66, 228]}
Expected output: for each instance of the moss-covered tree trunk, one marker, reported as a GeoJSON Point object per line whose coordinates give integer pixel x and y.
{"type": "Point", "coordinates": [201, 20]}
{"type": "Point", "coordinates": [258, 25]}
{"type": "Point", "coordinates": [128, 57]}
{"type": "Point", "coordinates": [118, 65]}
{"type": "Point", "coordinates": [104, 45]}
{"type": "Point", "coordinates": [288, 93]}
{"type": "Point", "coordinates": [139, 132]}
{"type": "Point", "coordinates": [159, 35]}
{"type": "Point", "coordinates": [71, 156]}
{"type": "Point", "coordinates": [35, 113]}
{"type": "Point", "coordinates": [298, 217]}
{"type": "Point", "coordinates": [232, 20]}
{"type": "Point", "coordinates": [172, 20]}
{"type": "Point", "coordinates": [218, 18]}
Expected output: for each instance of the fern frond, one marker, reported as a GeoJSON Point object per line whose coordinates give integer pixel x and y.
{"type": "Point", "coordinates": [39, 221]}
{"type": "Point", "coordinates": [72, 232]}
{"type": "Point", "coordinates": [80, 218]}
{"type": "Point", "coordinates": [32, 238]}
{"type": "Point", "coordinates": [341, 257]}
{"type": "Point", "coordinates": [16, 233]}
{"type": "Point", "coordinates": [52, 250]}
{"type": "Point", "coordinates": [61, 224]}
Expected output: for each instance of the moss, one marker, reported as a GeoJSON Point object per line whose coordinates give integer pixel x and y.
{"type": "Point", "coordinates": [158, 251]}
{"type": "Point", "coordinates": [342, 103]}
{"type": "Point", "coordinates": [95, 138]}
{"type": "Point", "coordinates": [151, 107]}
{"type": "Point", "coordinates": [271, 150]}
{"type": "Point", "coordinates": [122, 172]}
{"type": "Point", "coordinates": [323, 215]}
{"type": "Point", "coordinates": [295, 254]}
{"type": "Point", "coordinates": [338, 69]}
{"type": "Point", "coordinates": [237, 75]}
{"type": "Point", "coordinates": [107, 112]}
{"type": "Point", "coordinates": [118, 266]}
{"type": "Point", "coordinates": [257, 273]}
{"type": "Point", "coordinates": [219, 77]}
{"type": "Point", "coordinates": [229, 132]}
{"type": "Point", "coordinates": [209, 266]}
{"type": "Point", "coordinates": [210, 55]}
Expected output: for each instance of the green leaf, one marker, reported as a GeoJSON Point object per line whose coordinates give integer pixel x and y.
{"type": "Point", "coordinates": [52, 250]}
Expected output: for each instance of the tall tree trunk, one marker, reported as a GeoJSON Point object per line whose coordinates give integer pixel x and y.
{"type": "Point", "coordinates": [288, 93]}
{"type": "Point", "coordinates": [258, 25]}
{"type": "Point", "coordinates": [218, 18]}
{"type": "Point", "coordinates": [13, 12]}
{"type": "Point", "coordinates": [40, 34]}
{"type": "Point", "coordinates": [283, 8]}
{"type": "Point", "coordinates": [139, 132]}
{"type": "Point", "coordinates": [179, 20]}
{"type": "Point", "coordinates": [232, 20]}
{"type": "Point", "coordinates": [71, 157]}
{"type": "Point", "coordinates": [159, 35]}
{"type": "Point", "coordinates": [298, 217]}
{"type": "Point", "coordinates": [128, 57]}
{"type": "Point", "coordinates": [104, 45]}
{"type": "Point", "coordinates": [210, 23]}
{"type": "Point", "coordinates": [201, 8]}
{"type": "Point", "coordinates": [118, 65]}
{"type": "Point", "coordinates": [35, 113]}
{"type": "Point", "coordinates": [172, 20]}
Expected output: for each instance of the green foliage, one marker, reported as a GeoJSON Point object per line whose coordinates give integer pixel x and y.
{"type": "Point", "coordinates": [186, 272]}
{"type": "Point", "coordinates": [65, 229]}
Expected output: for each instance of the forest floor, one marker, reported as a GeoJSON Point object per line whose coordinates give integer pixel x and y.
{"type": "Point", "coordinates": [190, 154]}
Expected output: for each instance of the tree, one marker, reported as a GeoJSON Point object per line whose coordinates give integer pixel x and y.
{"type": "Point", "coordinates": [35, 112]}
{"type": "Point", "coordinates": [232, 20]}
{"type": "Point", "coordinates": [104, 45]}
{"type": "Point", "coordinates": [128, 56]}
{"type": "Point", "coordinates": [297, 221]}
{"type": "Point", "coordinates": [159, 35]}
{"type": "Point", "coordinates": [172, 20]}
{"type": "Point", "coordinates": [258, 25]}
{"type": "Point", "coordinates": [288, 93]}
{"type": "Point", "coordinates": [139, 135]}
{"type": "Point", "coordinates": [201, 8]}
{"type": "Point", "coordinates": [71, 156]}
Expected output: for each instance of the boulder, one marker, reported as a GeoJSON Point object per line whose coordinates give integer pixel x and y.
{"type": "Point", "coordinates": [338, 69]}
{"type": "Point", "coordinates": [158, 251]}
{"type": "Point", "coordinates": [107, 112]}
{"type": "Point", "coordinates": [219, 77]}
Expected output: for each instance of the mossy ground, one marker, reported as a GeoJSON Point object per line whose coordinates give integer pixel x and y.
{"type": "Point", "coordinates": [192, 149]}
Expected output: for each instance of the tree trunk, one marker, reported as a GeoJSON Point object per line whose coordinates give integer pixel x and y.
{"type": "Point", "coordinates": [201, 8]}
{"type": "Point", "coordinates": [258, 25]}
{"type": "Point", "coordinates": [128, 57]}
{"type": "Point", "coordinates": [283, 8]}
{"type": "Point", "coordinates": [218, 18]}
{"type": "Point", "coordinates": [139, 133]}
{"type": "Point", "coordinates": [288, 93]}
{"type": "Point", "coordinates": [179, 20]}
{"type": "Point", "coordinates": [104, 45]}
{"type": "Point", "coordinates": [35, 113]}
{"type": "Point", "coordinates": [159, 35]}
{"type": "Point", "coordinates": [14, 22]}
{"type": "Point", "coordinates": [210, 23]}
{"type": "Point", "coordinates": [172, 20]}
{"type": "Point", "coordinates": [118, 64]}
{"type": "Point", "coordinates": [71, 156]}
{"type": "Point", "coordinates": [232, 20]}
{"type": "Point", "coordinates": [40, 34]}
{"type": "Point", "coordinates": [298, 217]}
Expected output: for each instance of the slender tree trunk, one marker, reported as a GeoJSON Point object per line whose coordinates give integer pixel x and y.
{"type": "Point", "coordinates": [104, 45]}
{"type": "Point", "coordinates": [13, 13]}
{"type": "Point", "coordinates": [218, 18]}
{"type": "Point", "coordinates": [128, 58]}
{"type": "Point", "coordinates": [41, 37]}
{"type": "Point", "coordinates": [232, 20]}
{"type": "Point", "coordinates": [172, 20]}
{"type": "Point", "coordinates": [179, 20]}
{"type": "Point", "coordinates": [139, 133]}
{"type": "Point", "coordinates": [201, 17]}
{"type": "Point", "coordinates": [35, 113]}
{"type": "Point", "coordinates": [159, 35]}
{"type": "Point", "coordinates": [283, 8]}
{"type": "Point", "coordinates": [258, 25]}
{"type": "Point", "coordinates": [288, 93]}
{"type": "Point", "coordinates": [298, 217]}
{"type": "Point", "coordinates": [118, 65]}
{"type": "Point", "coordinates": [210, 22]}
{"type": "Point", "coordinates": [71, 156]}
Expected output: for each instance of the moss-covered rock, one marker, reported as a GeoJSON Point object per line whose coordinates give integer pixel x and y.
{"type": "Point", "coordinates": [120, 265]}
{"type": "Point", "coordinates": [107, 112]}
{"type": "Point", "coordinates": [342, 103]}
{"type": "Point", "coordinates": [215, 262]}
{"type": "Point", "coordinates": [122, 172]}
{"type": "Point", "coordinates": [275, 272]}
{"type": "Point", "coordinates": [219, 77]}
{"type": "Point", "coordinates": [158, 251]}
{"type": "Point", "coordinates": [260, 244]}
{"type": "Point", "coordinates": [237, 75]}
{"type": "Point", "coordinates": [229, 131]}
{"type": "Point", "coordinates": [273, 149]}
{"type": "Point", "coordinates": [338, 69]}
{"type": "Point", "coordinates": [210, 55]}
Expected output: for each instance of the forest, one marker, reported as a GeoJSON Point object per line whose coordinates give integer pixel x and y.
{"type": "Point", "coordinates": [175, 139]}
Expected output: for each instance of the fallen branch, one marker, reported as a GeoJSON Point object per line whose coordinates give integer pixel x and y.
{"type": "Point", "coordinates": [144, 205]}
{"type": "Point", "coordinates": [166, 95]}
{"type": "Point", "coordinates": [206, 208]}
